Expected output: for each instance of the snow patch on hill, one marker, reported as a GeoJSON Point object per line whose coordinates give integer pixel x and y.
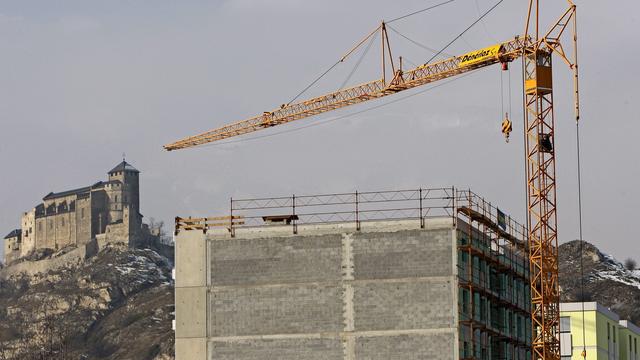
{"type": "Point", "coordinates": [615, 271]}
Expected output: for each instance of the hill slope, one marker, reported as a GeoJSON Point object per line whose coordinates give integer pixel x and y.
{"type": "Point", "coordinates": [116, 305]}
{"type": "Point", "coordinates": [119, 304]}
{"type": "Point", "coordinates": [606, 280]}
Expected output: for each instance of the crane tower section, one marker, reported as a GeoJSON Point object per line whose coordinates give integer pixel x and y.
{"type": "Point", "coordinates": [541, 203]}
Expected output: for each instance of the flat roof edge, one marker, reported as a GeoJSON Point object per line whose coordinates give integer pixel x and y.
{"type": "Point", "coordinates": [631, 326]}
{"type": "Point", "coordinates": [444, 222]}
{"type": "Point", "coordinates": [589, 306]}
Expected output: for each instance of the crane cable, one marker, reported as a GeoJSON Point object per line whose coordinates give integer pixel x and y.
{"type": "Point", "coordinates": [430, 49]}
{"type": "Point", "coordinates": [501, 93]}
{"type": "Point", "coordinates": [419, 11]}
{"type": "Point", "coordinates": [357, 46]}
{"type": "Point", "coordinates": [584, 345]}
{"type": "Point", "coordinates": [465, 30]}
{"type": "Point", "coordinates": [357, 64]}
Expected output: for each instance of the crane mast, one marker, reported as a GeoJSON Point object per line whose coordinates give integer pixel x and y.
{"type": "Point", "coordinates": [536, 51]}
{"type": "Point", "coordinates": [542, 218]}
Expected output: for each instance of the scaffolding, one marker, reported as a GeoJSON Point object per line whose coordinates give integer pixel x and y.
{"type": "Point", "coordinates": [493, 277]}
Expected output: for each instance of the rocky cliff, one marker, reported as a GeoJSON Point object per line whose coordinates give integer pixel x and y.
{"type": "Point", "coordinates": [117, 304]}
{"type": "Point", "coordinates": [605, 280]}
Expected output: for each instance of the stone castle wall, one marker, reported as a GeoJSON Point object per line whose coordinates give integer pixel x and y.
{"type": "Point", "coordinates": [75, 217]}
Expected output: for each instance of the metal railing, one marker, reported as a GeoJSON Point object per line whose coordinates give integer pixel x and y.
{"type": "Point", "coordinates": [354, 207]}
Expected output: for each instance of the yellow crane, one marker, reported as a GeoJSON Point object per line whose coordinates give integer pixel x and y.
{"type": "Point", "coordinates": [535, 49]}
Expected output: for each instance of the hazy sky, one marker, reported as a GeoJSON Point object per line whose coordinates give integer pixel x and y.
{"type": "Point", "coordinates": [84, 81]}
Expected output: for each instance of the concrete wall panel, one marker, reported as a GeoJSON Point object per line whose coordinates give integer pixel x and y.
{"type": "Point", "coordinates": [190, 259]}
{"type": "Point", "coordinates": [407, 347]}
{"type": "Point", "coordinates": [410, 253]}
{"type": "Point", "coordinates": [403, 305]}
{"type": "Point", "coordinates": [191, 307]}
{"type": "Point", "coordinates": [191, 349]}
{"type": "Point", "coordinates": [281, 349]}
{"type": "Point", "coordinates": [276, 310]}
{"type": "Point", "coordinates": [276, 260]}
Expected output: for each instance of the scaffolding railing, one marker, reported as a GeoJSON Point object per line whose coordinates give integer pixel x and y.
{"type": "Point", "coordinates": [355, 207]}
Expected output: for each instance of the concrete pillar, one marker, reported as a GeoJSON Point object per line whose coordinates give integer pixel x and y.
{"type": "Point", "coordinates": [191, 296]}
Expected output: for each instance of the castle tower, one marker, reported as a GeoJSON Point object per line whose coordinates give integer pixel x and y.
{"type": "Point", "coordinates": [123, 191]}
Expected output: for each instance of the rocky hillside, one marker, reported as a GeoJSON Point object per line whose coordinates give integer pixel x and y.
{"type": "Point", "coordinates": [116, 305]}
{"type": "Point", "coordinates": [606, 280]}
{"type": "Point", "coordinates": [119, 304]}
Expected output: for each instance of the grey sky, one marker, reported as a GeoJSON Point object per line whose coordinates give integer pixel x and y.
{"type": "Point", "coordinates": [84, 81]}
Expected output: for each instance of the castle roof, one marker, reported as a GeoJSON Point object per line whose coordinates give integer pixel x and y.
{"type": "Point", "coordinates": [77, 191]}
{"type": "Point", "coordinates": [123, 166]}
{"type": "Point", "coordinates": [14, 233]}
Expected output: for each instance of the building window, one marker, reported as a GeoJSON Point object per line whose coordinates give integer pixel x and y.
{"type": "Point", "coordinates": [116, 198]}
{"type": "Point", "coordinates": [630, 349]}
{"type": "Point", "coordinates": [50, 224]}
{"type": "Point", "coordinates": [565, 324]}
{"type": "Point", "coordinates": [608, 331]}
{"type": "Point", "coordinates": [62, 222]}
{"type": "Point", "coordinates": [82, 213]}
{"type": "Point", "coordinates": [635, 345]}
{"type": "Point", "coordinates": [39, 226]}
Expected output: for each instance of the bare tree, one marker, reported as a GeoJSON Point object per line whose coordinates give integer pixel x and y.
{"type": "Point", "coordinates": [157, 228]}
{"type": "Point", "coordinates": [630, 264]}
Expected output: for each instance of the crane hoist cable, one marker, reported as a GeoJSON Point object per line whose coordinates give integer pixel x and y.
{"type": "Point", "coordinates": [507, 125]}
{"type": "Point", "coordinates": [579, 175]}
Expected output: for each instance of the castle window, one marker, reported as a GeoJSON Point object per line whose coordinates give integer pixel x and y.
{"type": "Point", "coordinates": [116, 198]}
{"type": "Point", "coordinates": [82, 213]}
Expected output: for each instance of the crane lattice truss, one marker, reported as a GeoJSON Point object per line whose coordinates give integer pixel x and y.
{"type": "Point", "coordinates": [539, 124]}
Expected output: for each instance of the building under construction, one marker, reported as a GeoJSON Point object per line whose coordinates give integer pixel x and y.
{"type": "Point", "coordinates": [415, 274]}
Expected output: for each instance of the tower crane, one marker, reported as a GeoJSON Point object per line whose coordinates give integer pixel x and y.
{"type": "Point", "coordinates": [536, 49]}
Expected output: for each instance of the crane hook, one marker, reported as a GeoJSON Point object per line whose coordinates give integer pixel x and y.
{"type": "Point", "coordinates": [506, 127]}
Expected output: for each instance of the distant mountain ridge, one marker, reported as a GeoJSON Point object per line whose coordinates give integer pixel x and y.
{"type": "Point", "coordinates": [606, 280]}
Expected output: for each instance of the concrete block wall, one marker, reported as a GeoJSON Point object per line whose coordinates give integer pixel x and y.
{"type": "Point", "coordinates": [388, 291]}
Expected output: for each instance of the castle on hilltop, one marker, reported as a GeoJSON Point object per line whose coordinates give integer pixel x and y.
{"type": "Point", "coordinates": [107, 211]}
